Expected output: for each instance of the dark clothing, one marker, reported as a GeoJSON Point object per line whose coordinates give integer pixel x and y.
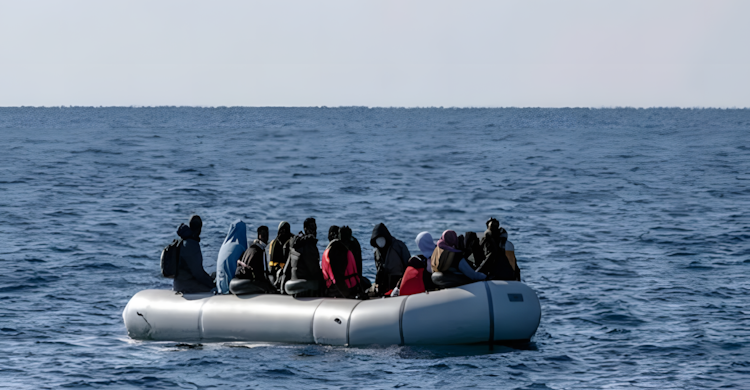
{"type": "Point", "coordinates": [252, 265]}
{"type": "Point", "coordinates": [356, 249]}
{"type": "Point", "coordinates": [191, 277]}
{"type": "Point", "coordinates": [278, 253]}
{"type": "Point", "coordinates": [305, 264]}
{"type": "Point", "coordinates": [338, 257]}
{"type": "Point", "coordinates": [390, 261]}
{"type": "Point", "coordinates": [473, 252]}
{"type": "Point", "coordinates": [495, 265]}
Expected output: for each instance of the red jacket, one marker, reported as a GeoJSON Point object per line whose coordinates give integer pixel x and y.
{"type": "Point", "coordinates": [412, 282]}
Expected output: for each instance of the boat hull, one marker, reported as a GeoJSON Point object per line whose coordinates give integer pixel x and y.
{"type": "Point", "coordinates": [481, 312]}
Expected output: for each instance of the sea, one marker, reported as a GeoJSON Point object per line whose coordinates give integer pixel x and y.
{"type": "Point", "coordinates": [631, 225]}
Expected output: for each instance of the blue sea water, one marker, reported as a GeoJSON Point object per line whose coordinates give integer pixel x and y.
{"type": "Point", "coordinates": [632, 226]}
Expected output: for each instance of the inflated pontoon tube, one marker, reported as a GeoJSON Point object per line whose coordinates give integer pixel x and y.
{"type": "Point", "coordinates": [481, 312]}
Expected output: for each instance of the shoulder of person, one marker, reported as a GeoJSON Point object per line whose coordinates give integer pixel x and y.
{"type": "Point", "coordinates": [509, 246]}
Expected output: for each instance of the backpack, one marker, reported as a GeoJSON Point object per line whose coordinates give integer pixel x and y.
{"type": "Point", "coordinates": [170, 257]}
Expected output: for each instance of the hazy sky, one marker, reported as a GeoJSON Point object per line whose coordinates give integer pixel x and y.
{"type": "Point", "coordinates": [496, 53]}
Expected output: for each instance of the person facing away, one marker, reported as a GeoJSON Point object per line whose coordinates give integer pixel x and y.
{"type": "Point", "coordinates": [278, 251]}
{"type": "Point", "coordinates": [496, 264]}
{"type": "Point", "coordinates": [448, 258]}
{"type": "Point", "coordinates": [473, 250]}
{"type": "Point", "coordinates": [426, 246]}
{"type": "Point", "coordinates": [304, 259]}
{"type": "Point", "coordinates": [339, 268]}
{"type": "Point", "coordinates": [191, 277]}
{"type": "Point", "coordinates": [235, 244]}
{"type": "Point", "coordinates": [252, 266]}
{"type": "Point", "coordinates": [351, 242]}
{"type": "Point", "coordinates": [391, 259]}
{"type": "Point", "coordinates": [414, 280]}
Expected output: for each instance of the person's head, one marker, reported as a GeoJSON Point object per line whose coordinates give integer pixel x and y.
{"type": "Point", "coordinates": [333, 233]}
{"type": "Point", "coordinates": [263, 234]}
{"type": "Point", "coordinates": [492, 224]}
{"type": "Point", "coordinates": [380, 237]}
{"type": "Point", "coordinates": [284, 229]}
{"type": "Point", "coordinates": [450, 238]}
{"type": "Point", "coordinates": [310, 227]}
{"type": "Point", "coordinates": [425, 243]}
{"type": "Point", "coordinates": [195, 225]}
{"type": "Point", "coordinates": [416, 262]}
{"type": "Point", "coordinates": [345, 233]}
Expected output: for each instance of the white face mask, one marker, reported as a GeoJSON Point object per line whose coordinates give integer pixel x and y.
{"type": "Point", "coordinates": [380, 242]}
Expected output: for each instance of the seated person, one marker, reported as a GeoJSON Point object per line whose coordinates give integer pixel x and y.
{"type": "Point", "coordinates": [473, 250]}
{"type": "Point", "coordinates": [235, 244]}
{"type": "Point", "coordinates": [305, 275]}
{"type": "Point", "coordinates": [351, 242]}
{"type": "Point", "coordinates": [251, 275]}
{"type": "Point", "coordinates": [426, 246]}
{"type": "Point", "coordinates": [278, 251]}
{"type": "Point", "coordinates": [451, 269]}
{"type": "Point", "coordinates": [191, 277]}
{"type": "Point", "coordinates": [340, 269]}
{"type": "Point", "coordinates": [415, 278]}
{"type": "Point", "coordinates": [496, 264]}
{"type": "Point", "coordinates": [391, 258]}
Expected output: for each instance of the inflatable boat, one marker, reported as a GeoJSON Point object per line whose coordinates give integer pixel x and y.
{"type": "Point", "coordinates": [482, 312]}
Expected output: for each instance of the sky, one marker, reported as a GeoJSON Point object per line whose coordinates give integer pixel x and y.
{"type": "Point", "coordinates": [496, 53]}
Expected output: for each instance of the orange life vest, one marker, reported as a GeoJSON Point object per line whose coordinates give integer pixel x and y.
{"type": "Point", "coordinates": [351, 274]}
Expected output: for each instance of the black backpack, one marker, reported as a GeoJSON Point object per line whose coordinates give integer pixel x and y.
{"type": "Point", "coordinates": [170, 258]}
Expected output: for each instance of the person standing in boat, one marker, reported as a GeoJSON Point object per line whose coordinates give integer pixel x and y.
{"type": "Point", "coordinates": [340, 268]}
{"type": "Point", "coordinates": [391, 259]}
{"type": "Point", "coordinates": [278, 252]}
{"type": "Point", "coordinates": [497, 265]}
{"type": "Point", "coordinates": [191, 277]}
{"type": "Point", "coordinates": [305, 275]}
{"type": "Point", "coordinates": [252, 266]}
{"type": "Point", "coordinates": [451, 269]}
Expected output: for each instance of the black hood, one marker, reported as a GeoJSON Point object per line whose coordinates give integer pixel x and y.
{"type": "Point", "coordinates": [333, 233]}
{"type": "Point", "coordinates": [185, 233]}
{"type": "Point", "coordinates": [417, 262]}
{"type": "Point", "coordinates": [499, 235]}
{"type": "Point", "coordinates": [283, 236]}
{"type": "Point", "coordinates": [380, 231]}
{"type": "Point", "coordinates": [196, 224]}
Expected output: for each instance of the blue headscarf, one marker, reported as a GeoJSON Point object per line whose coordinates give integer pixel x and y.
{"type": "Point", "coordinates": [235, 244]}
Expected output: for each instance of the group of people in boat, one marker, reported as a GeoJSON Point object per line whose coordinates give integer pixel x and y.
{"type": "Point", "coordinates": [291, 264]}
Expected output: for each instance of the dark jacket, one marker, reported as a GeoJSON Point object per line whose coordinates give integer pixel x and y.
{"type": "Point", "coordinates": [391, 261]}
{"type": "Point", "coordinates": [191, 277]}
{"type": "Point", "coordinates": [473, 252]}
{"type": "Point", "coordinates": [252, 264]}
{"type": "Point", "coordinates": [495, 264]}
{"type": "Point", "coordinates": [278, 250]}
{"type": "Point", "coordinates": [306, 265]}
